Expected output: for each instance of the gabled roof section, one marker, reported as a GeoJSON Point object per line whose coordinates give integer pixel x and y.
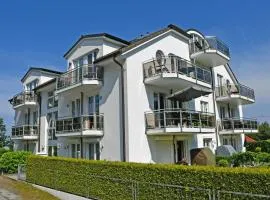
{"type": "Point", "coordinates": [136, 42]}
{"type": "Point", "coordinates": [112, 37]}
{"type": "Point", "coordinates": [42, 70]}
{"type": "Point", "coordinates": [52, 81]}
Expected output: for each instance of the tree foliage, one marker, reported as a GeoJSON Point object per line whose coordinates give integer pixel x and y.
{"type": "Point", "coordinates": [264, 132]}
{"type": "Point", "coordinates": [2, 132]}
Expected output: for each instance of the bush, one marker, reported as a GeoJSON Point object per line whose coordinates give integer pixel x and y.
{"type": "Point", "coordinates": [264, 145]}
{"type": "Point", "coordinates": [10, 160]}
{"type": "Point", "coordinates": [95, 178]}
{"type": "Point", "coordinates": [243, 159]}
{"type": "Point", "coordinates": [223, 163]}
{"type": "Point", "coordinates": [228, 158]}
{"type": "Point", "coordinates": [258, 149]}
{"type": "Point", "coordinates": [3, 150]}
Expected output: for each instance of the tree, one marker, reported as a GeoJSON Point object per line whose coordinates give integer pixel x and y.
{"type": "Point", "coordinates": [2, 133]}
{"type": "Point", "coordinates": [263, 133]}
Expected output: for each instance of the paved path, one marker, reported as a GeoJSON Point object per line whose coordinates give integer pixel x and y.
{"type": "Point", "coordinates": [7, 195]}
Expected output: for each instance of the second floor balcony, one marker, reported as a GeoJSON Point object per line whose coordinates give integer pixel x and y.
{"type": "Point", "coordinates": [175, 72]}
{"type": "Point", "coordinates": [86, 75]}
{"type": "Point", "coordinates": [25, 132]}
{"type": "Point", "coordinates": [210, 51]}
{"type": "Point", "coordinates": [178, 121]}
{"type": "Point", "coordinates": [85, 125]}
{"type": "Point", "coordinates": [238, 125]}
{"type": "Point", "coordinates": [26, 98]}
{"type": "Point", "coordinates": [235, 94]}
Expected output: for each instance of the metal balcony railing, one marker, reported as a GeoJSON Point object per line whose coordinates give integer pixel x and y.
{"type": "Point", "coordinates": [79, 124]}
{"type": "Point", "coordinates": [171, 118]}
{"type": "Point", "coordinates": [175, 64]}
{"type": "Point", "coordinates": [238, 124]}
{"type": "Point", "coordinates": [79, 74]}
{"type": "Point", "coordinates": [227, 90]}
{"type": "Point", "coordinates": [23, 97]}
{"type": "Point", "coordinates": [24, 130]}
{"type": "Point", "coordinates": [200, 44]}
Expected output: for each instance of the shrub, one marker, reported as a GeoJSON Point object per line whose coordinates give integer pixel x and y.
{"type": "Point", "coordinates": [10, 160]}
{"type": "Point", "coordinates": [264, 145]}
{"type": "Point", "coordinates": [3, 150]}
{"type": "Point", "coordinates": [223, 163]}
{"type": "Point", "coordinates": [95, 178]}
{"type": "Point", "coordinates": [228, 158]}
{"type": "Point", "coordinates": [244, 158]}
{"type": "Point", "coordinates": [258, 149]}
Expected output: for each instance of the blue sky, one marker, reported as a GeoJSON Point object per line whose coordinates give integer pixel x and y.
{"type": "Point", "coordinates": [37, 33]}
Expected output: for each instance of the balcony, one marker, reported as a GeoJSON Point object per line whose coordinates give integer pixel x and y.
{"type": "Point", "coordinates": [25, 132]}
{"type": "Point", "coordinates": [86, 125]}
{"type": "Point", "coordinates": [27, 98]}
{"type": "Point", "coordinates": [177, 121]}
{"type": "Point", "coordinates": [238, 125]}
{"type": "Point", "coordinates": [235, 94]}
{"type": "Point", "coordinates": [175, 73]}
{"type": "Point", "coordinates": [86, 75]}
{"type": "Point", "coordinates": [209, 51]}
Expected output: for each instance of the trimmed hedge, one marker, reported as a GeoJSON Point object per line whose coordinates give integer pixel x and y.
{"type": "Point", "coordinates": [95, 178]}
{"type": "Point", "coordinates": [9, 161]}
{"type": "Point", "coordinates": [264, 145]}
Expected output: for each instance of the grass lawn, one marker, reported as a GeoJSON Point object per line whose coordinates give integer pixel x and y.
{"type": "Point", "coordinates": [24, 190]}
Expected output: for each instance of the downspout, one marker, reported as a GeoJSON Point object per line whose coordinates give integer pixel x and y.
{"type": "Point", "coordinates": [39, 120]}
{"type": "Point", "coordinates": [123, 108]}
{"type": "Point", "coordinates": [214, 103]}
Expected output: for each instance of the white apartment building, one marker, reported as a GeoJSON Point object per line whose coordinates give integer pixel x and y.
{"type": "Point", "coordinates": [149, 100]}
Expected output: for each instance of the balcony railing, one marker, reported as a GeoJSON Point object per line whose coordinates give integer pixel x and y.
{"type": "Point", "coordinates": [228, 90]}
{"type": "Point", "coordinates": [159, 119]}
{"type": "Point", "coordinates": [212, 43]}
{"type": "Point", "coordinates": [24, 97]}
{"type": "Point", "coordinates": [238, 124]}
{"type": "Point", "coordinates": [79, 124]}
{"type": "Point", "coordinates": [174, 64]}
{"type": "Point", "coordinates": [79, 74]}
{"type": "Point", "coordinates": [24, 130]}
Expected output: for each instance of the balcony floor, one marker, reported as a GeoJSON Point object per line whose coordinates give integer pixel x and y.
{"type": "Point", "coordinates": [238, 131]}
{"type": "Point", "coordinates": [85, 84]}
{"type": "Point", "coordinates": [179, 131]}
{"type": "Point", "coordinates": [210, 58]}
{"type": "Point", "coordinates": [25, 137]}
{"type": "Point", "coordinates": [86, 133]}
{"type": "Point", "coordinates": [26, 104]}
{"type": "Point", "coordinates": [235, 99]}
{"type": "Point", "coordinates": [174, 81]}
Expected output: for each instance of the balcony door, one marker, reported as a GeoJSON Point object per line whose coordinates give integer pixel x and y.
{"type": "Point", "coordinates": [181, 151]}
{"type": "Point", "coordinates": [159, 107]}
{"type": "Point", "coordinates": [75, 150]}
{"type": "Point", "coordinates": [220, 84]}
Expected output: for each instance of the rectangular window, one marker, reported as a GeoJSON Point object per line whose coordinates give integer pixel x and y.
{"type": "Point", "coordinates": [78, 107]}
{"type": "Point", "coordinates": [73, 108]}
{"type": "Point", "coordinates": [94, 151]}
{"type": "Point", "coordinates": [35, 118]}
{"type": "Point", "coordinates": [204, 106]}
{"type": "Point", "coordinates": [93, 104]}
{"type": "Point", "coordinates": [75, 150]}
{"type": "Point", "coordinates": [222, 112]}
{"type": "Point", "coordinates": [90, 59]}
{"type": "Point", "coordinates": [207, 142]}
{"type": "Point", "coordinates": [52, 102]}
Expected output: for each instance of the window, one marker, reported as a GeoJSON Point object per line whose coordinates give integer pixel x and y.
{"type": "Point", "coordinates": [78, 107]}
{"type": "Point", "coordinates": [93, 104]}
{"type": "Point", "coordinates": [204, 106]}
{"type": "Point", "coordinates": [32, 85]}
{"type": "Point", "coordinates": [75, 150]}
{"type": "Point", "coordinates": [222, 112]}
{"type": "Point", "coordinates": [207, 142]}
{"type": "Point", "coordinates": [94, 151]}
{"type": "Point", "coordinates": [73, 108]}
{"type": "Point", "coordinates": [35, 118]}
{"type": "Point", "coordinates": [52, 101]}
{"type": "Point", "coordinates": [51, 119]}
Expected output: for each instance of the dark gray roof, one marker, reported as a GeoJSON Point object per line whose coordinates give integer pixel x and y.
{"type": "Point", "coordinates": [40, 69]}
{"type": "Point", "coordinates": [97, 35]}
{"type": "Point", "coordinates": [136, 42]}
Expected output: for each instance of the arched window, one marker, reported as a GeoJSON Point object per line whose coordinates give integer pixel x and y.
{"type": "Point", "coordinates": [160, 57]}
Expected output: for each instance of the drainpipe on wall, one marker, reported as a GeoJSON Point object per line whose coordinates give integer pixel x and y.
{"type": "Point", "coordinates": [214, 103]}
{"type": "Point", "coordinates": [122, 109]}
{"type": "Point", "coordinates": [39, 119]}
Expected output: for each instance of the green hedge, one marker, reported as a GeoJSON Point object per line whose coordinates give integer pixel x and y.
{"type": "Point", "coordinates": [9, 161]}
{"type": "Point", "coordinates": [264, 145]}
{"type": "Point", "coordinates": [94, 178]}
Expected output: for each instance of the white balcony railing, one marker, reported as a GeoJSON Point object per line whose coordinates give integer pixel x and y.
{"type": "Point", "coordinates": [24, 130]}
{"type": "Point", "coordinates": [228, 90]}
{"type": "Point", "coordinates": [175, 64]}
{"type": "Point", "coordinates": [23, 98]}
{"type": "Point", "coordinates": [170, 118]}
{"type": "Point", "coordinates": [79, 124]}
{"type": "Point", "coordinates": [235, 124]}
{"type": "Point", "coordinates": [78, 75]}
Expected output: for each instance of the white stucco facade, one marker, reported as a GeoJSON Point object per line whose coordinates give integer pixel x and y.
{"type": "Point", "coordinates": [151, 100]}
